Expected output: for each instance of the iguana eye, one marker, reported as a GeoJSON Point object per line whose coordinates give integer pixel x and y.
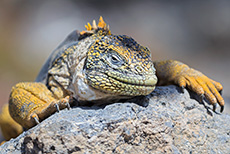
{"type": "Point", "coordinates": [115, 59]}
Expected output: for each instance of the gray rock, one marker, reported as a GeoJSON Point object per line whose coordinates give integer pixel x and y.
{"type": "Point", "coordinates": [172, 122]}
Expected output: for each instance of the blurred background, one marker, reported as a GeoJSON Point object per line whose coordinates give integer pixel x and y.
{"type": "Point", "coordinates": [194, 32]}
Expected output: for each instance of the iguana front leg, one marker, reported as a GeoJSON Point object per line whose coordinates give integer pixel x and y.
{"type": "Point", "coordinates": [174, 72]}
{"type": "Point", "coordinates": [31, 102]}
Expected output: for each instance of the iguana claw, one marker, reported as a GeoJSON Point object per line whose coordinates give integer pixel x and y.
{"type": "Point", "coordinates": [214, 107]}
{"type": "Point", "coordinates": [221, 109]}
{"type": "Point", "coordinates": [36, 120]}
{"type": "Point", "coordinates": [57, 107]}
{"type": "Point", "coordinates": [221, 92]}
{"type": "Point", "coordinates": [202, 98]}
{"type": "Point", "coordinates": [35, 117]}
{"type": "Point", "coordinates": [182, 89]}
{"type": "Point", "coordinates": [68, 105]}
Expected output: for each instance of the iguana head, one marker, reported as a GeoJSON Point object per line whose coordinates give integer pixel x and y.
{"type": "Point", "coordinates": [117, 64]}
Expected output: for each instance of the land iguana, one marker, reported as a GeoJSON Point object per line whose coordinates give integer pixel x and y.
{"type": "Point", "coordinates": [95, 67]}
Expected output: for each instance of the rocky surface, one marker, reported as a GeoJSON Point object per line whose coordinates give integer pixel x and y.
{"type": "Point", "coordinates": [171, 122]}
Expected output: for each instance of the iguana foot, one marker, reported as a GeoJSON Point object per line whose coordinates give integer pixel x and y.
{"type": "Point", "coordinates": [55, 106]}
{"type": "Point", "coordinates": [203, 86]}
{"type": "Point", "coordinates": [31, 103]}
{"type": "Point", "coordinates": [175, 72]}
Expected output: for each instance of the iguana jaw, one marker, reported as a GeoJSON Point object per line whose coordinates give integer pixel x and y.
{"type": "Point", "coordinates": [138, 80]}
{"type": "Point", "coordinates": [118, 84]}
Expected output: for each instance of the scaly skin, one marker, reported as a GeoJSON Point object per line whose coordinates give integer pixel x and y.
{"type": "Point", "coordinates": [95, 66]}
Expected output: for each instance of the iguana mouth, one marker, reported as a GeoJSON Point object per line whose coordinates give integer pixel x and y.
{"type": "Point", "coordinates": [120, 84]}
{"type": "Point", "coordinates": [148, 80]}
{"type": "Point", "coordinates": [132, 87]}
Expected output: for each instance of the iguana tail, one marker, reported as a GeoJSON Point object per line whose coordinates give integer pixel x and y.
{"type": "Point", "coordinates": [10, 128]}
